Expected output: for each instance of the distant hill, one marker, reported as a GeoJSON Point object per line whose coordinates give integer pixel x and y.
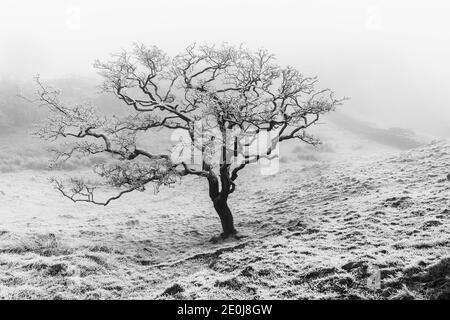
{"type": "Point", "coordinates": [400, 138]}
{"type": "Point", "coordinates": [17, 114]}
{"type": "Point", "coordinates": [14, 112]}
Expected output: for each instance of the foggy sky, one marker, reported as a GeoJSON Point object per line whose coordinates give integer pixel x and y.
{"type": "Point", "coordinates": [390, 57]}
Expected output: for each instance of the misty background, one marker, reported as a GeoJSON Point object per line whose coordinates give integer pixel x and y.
{"type": "Point", "coordinates": [389, 57]}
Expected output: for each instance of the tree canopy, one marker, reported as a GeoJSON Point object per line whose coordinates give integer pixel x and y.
{"type": "Point", "coordinates": [222, 97]}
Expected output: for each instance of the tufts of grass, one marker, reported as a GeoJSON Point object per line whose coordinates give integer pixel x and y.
{"type": "Point", "coordinates": [42, 244]}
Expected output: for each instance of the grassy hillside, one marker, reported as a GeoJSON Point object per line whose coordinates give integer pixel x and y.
{"type": "Point", "coordinates": [316, 230]}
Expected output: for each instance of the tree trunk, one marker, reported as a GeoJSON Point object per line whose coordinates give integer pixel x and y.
{"type": "Point", "coordinates": [225, 215]}
{"type": "Point", "coordinates": [220, 198]}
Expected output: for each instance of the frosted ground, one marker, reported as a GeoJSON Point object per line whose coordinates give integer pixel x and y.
{"type": "Point", "coordinates": [316, 230]}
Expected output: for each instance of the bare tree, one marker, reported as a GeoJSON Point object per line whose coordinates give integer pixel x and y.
{"type": "Point", "coordinates": [226, 88]}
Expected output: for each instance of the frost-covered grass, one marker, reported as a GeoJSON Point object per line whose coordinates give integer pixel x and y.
{"type": "Point", "coordinates": [24, 152]}
{"type": "Point", "coordinates": [316, 230]}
